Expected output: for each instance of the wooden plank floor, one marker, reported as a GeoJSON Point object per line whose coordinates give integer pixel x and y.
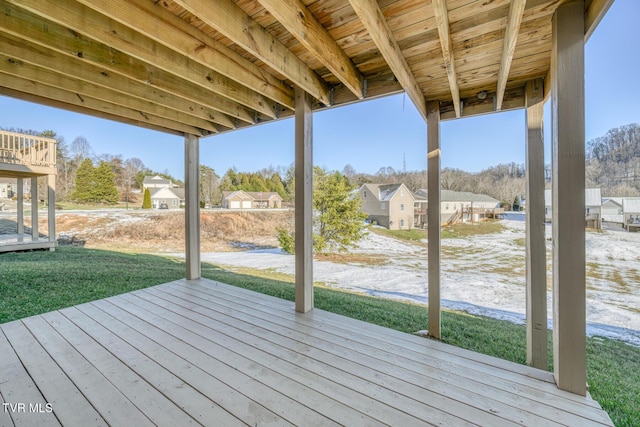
{"type": "Point", "coordinates": [205, 353]}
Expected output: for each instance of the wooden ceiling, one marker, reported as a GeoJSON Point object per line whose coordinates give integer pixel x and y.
{"type": "Point", "coordinates": [207, 66]}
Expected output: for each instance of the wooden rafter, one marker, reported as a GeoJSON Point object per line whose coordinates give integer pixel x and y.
{"type": "Point", "coordinates": [97, 107]}
{"type": "Point", "coordinates": [374, 21]}
{"type": "Point", "coordinates": [593, 14]}
{"type": "Point", "coordinates": [28, 71]}
{"type": "Point", "coordinates": [230, 20]}
{"type": "Point", "coordinates": [442, 20]}
{"type": "Point", "coordinates": [23, 25]}
{"type": "Point", "coordinates": [514, 20]}
{"type": "Point", "coordinates": [84, 20]}
{"type": "Point", "coordinates": [301, 23]}
{"type": "Point", "coordinates": [145, 16]}
{"type": "Point", "coordinates": [20, 50]}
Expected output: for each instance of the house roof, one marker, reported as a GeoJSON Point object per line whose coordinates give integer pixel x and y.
{"type": "Point", "coordinates": [238, 194]}
{"type": "Point", "coordinates": [615, 200]}
{"type": "Point", "coordinates": [167, 193]}
{"type": "Point", "coordinates": [385, 192]}
{"type": "Point", "coordinates": [592, 197]}
{"type": "Point", "coordinates": [630, 205]}
{"type": "Point", "coordinates": [253, 53]}
{"type": "Point", "coordinates": [155, 180]}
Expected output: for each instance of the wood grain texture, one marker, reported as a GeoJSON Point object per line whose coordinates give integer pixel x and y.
{"type": "Point", "coordinates": [209, 353]}
{"type": "Point", "coordinates": [384, 39]}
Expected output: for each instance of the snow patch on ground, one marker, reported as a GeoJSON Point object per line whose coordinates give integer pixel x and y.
{"type": "Point", "coordinates": [482, 275]}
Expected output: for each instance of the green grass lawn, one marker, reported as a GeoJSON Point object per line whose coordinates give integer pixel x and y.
{"type": "Point", "coordinates": [38, 282]}
{"type": "Point", "coordinates": [457, 231]}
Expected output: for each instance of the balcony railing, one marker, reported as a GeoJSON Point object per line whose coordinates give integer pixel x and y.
{"type": "Point", "coordinates": [29, 150]}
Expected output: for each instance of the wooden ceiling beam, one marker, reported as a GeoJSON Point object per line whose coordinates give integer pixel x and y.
{"type": "Point", "coordinates": [97, 107]}
{"type": "Point", "coordinates": [24, 25]}
{"type": "Point", "coordinates": [376, 25]}
{"type": "Point", "coordinates": [105, 30]}
{"type": "Point", "coordinates": [304, 26]}
{"type": "Point", "coordinates": [25, 70]}
{"type": "Point", "coordinates": [514, 20]}
{"type": "Point", "coordinates": [47, 59]}
{"type": "Point", "coordinates": [146, 17]}
{"type": "Point", "coordinates": [230, 20]}
{"type": "Point", "coordinates": [442, 20]}
{"type": "Point", "coordinates": [594, 11]}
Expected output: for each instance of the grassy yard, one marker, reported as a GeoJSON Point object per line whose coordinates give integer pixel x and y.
{"type": "Point", "coordinates": [458, 231]}
{"type": "Point", "coordinates": [37, 282]}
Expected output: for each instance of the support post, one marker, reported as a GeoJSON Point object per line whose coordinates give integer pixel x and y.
{"type": "Point", "coordinates": [304, 201]}
{"type": "Point", "coordinates": [51, 201]}
{"type": "Point", "coordinates": [433, 227]}
{"type": "Point", "coordinates": [192, 205]}
{"type": "Point", "coordinates": [34, 209]}
{"type": "Point", "coordinates": [537, 348]}
{"type": "Point", "coordinates": [568, 152]}
{"type": "Point", "coordinates": [20, 209]}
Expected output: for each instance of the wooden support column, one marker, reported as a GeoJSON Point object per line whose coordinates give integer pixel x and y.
{"type": "Point", "coordinates": [433, 227]}
{"type": "Point", "coordinates": [51, 201]}
{"type": "Point", "coordinates": [536, 256]}
{"type": "Point", "coordinates": [568, 155]}
{"type": "Point", "coordinates": [20, 209]}
{"type": "Point", "coordinates": [192, 205]}
{"type": "Point", "coordinates": [304, 202]}
{"type": "Point", "coordinates": [34, 209]}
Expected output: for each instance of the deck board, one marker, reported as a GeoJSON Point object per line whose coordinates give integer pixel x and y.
{"type": "Point", "coordinates": [191, 353]}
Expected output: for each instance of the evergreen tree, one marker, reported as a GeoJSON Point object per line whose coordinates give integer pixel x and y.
{"type": "Point", "coordinates": [146, 203]}
{"type": "Point", "coordinates": [338, 222]}
{"type": "Point", "coordinates": [105, 187]}
{"type": "Point", "coordinates": [85, 182]}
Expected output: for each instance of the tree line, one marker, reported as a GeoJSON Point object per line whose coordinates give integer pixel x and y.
{"type": "Point", "coordinates": [612, 164]}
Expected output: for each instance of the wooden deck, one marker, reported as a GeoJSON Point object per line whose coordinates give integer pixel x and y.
{"type": "Point", "coordinates": [190, 353]}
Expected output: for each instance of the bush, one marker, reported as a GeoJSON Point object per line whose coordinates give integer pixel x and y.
{"type": "Point", "coordinates": [146, 203]}
{"type": "Point", "coordinates": [287, 240]}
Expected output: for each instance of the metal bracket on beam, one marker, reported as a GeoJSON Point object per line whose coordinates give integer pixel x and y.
{"type": "Point", "coordinates": [277, 110]}
{"type": "Point", "coordinates": [331, 93]}
{"type": "Point", "coordinates": [364, 89]}
{"type": "Point", "coordinates": [235, 125]}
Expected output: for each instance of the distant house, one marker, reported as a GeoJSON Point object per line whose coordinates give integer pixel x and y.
{"type": "Point", "coordinates": [251, 199]}
{"type": "Point", "coordinates": [631, 213]}
{"type": "Point", "coordinates": [612, 209]}
{"type": "Point", "coordinates": [389, 205]}
{"type": "Point", "coordinates": [163, 192]}
{"type": "Point", "coordinates": [171, 197]}
{"type": "Point", "coordinates": [156, 182]}
{"type": "Point", "coordinates": [7, 186]}
{"type": "Point", "coordinates": [463, 205]}
{"type": "Point", "coordinates": [592, 207]}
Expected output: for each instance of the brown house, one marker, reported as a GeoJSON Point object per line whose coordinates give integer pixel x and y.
{"type": "Point", "coordinates": [388, 205]}
{"type": "Point", "coordinates": [251, 200]}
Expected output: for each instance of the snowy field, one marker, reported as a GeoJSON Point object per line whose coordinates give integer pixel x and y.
{"type": "Point", "coordinates": [482, 275]}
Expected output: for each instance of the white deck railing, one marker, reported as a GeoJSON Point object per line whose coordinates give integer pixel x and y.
{"type": "Point", "coordinates": [29, 150]}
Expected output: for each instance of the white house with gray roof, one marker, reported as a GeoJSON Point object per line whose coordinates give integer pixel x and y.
{"type": "Point", "coordinates": [592, 207]}
{"type": "Point", "coordinates": [631, 212]}
{"type": "Point", "coordinates": [388, 205]}
{"type": "Point", "coordinates": [454, 203]}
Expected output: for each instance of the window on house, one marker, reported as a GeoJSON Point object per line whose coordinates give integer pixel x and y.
{"type": "Point", "coordinates": [382, 206]}
{"type": "Point", "coordinates": [446, 208]}
{"type": "Point", "coordinates": [401, 192]}
{"type": "Point", "coordinates": [364, 194]}
{"type": "Point", "coordinates": [401, 207]}
{"type": "Point", "coordinates": [401, 223]}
